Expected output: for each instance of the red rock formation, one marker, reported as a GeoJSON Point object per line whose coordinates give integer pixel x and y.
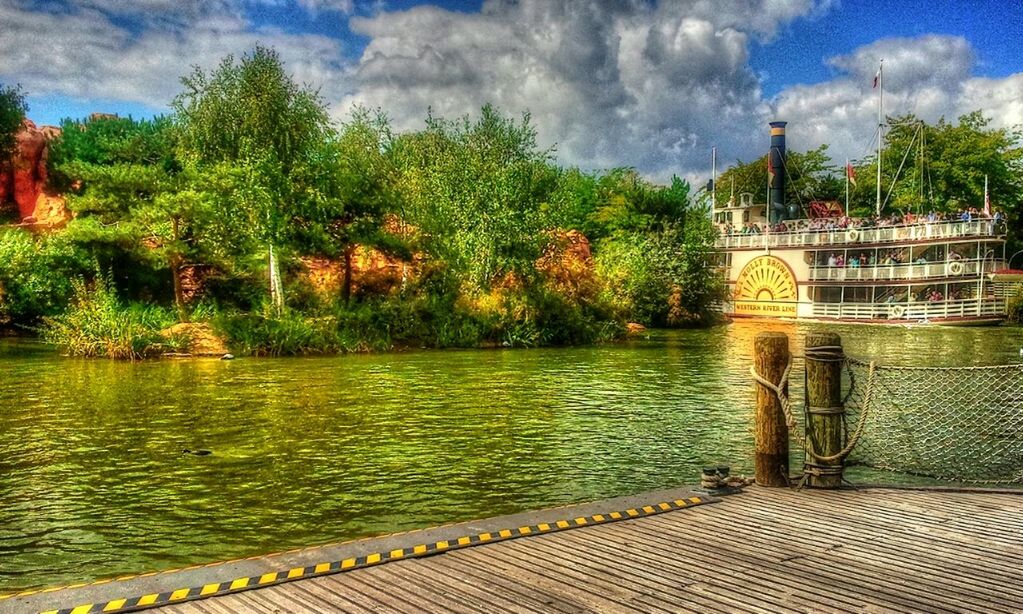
{"type": "Point", "coordinates": [568, 265]}
{"type": "Point", "coordinates": [24, 179]}
{"type": "Point", "coordinates": [27, 158]}
{"type": "Point", "coordinates": [373, 272]}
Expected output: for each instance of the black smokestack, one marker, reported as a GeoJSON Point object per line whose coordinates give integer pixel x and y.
{"type": "Point", "coordinates": [776, 174]}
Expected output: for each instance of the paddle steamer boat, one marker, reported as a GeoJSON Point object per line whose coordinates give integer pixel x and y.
{"type": "Point", "coordinates": [780, 264]}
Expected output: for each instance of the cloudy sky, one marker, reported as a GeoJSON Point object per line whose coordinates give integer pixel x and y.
{"type": "Point", "coordinates": [642, 83]}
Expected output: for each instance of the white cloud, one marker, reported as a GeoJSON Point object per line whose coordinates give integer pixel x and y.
{"type": "Point", "coordinates": [346, 7]}
{"type": "Point", "coordinates": [87, 51]}
{"type": "Point", "coordinates": [928, 76]}
{"type": "Point", "coordinates": [611, 82]}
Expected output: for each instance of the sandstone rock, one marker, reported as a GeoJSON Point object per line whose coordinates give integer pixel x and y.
{"type": "Point", "coordinates": [24, 180]}
{"type": "Point", "coordinates": [633, 328]}
{"type": "Point", "coordinates": [202, 341]}
{"type": "Point", "coordinates": [373, 272]}
{"type": "Point", "coordinates": [50, 211]}
{"type": "Point", "coordinates": [568, 265]}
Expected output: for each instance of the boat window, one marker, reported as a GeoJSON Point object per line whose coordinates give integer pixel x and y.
{"type": "Point", "coordinates": [858, 294]}
{"type": "Point", "coordinates": [828, 294]}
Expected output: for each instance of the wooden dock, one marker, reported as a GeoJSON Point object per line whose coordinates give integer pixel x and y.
{"type": "Point", "coordinates": [766, 550]}
{"type": "Point", "coordinates": [763, 550]}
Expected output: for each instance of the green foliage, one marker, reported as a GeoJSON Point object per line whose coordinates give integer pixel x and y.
{"type": "Point", "coordinates": [97, 324]}
{"type": "Point", "coordinates": [810, 176]}
{"type": "Point", "coordinates": [353, 174]}
{"type": "Point", "coordinates": [1014, 308]}
{"type": "Point", "coordinates": [36, 274]}
{"type": "Point", "coordinates": [252, 116]}
{"type": "Point", "coordinates": [943, 167]}
{"type": "Point", "coordinates": [12, 113]}
{"type": "Point", "coordinates": [112, 142]}
{"type": "Point", "coordinates": [662, 278]}
{"type": "Point", "coordinates": [479, 194]}
{"type": "Point", "coordinates": [249, 176]}
{"type": "Point", "coordinates": [132, 196]}
{"type": "Point", "coordinates": [353, 179]}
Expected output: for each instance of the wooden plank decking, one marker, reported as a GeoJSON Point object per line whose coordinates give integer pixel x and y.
{"type": "Point", "coordinates": [765, 550]}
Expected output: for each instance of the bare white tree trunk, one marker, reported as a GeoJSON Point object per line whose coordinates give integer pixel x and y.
{"type": "Point", "coordinates": [276, 288]}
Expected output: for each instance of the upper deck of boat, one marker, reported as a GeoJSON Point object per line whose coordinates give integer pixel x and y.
{"type": "Point", "coordinates": [802, 234]}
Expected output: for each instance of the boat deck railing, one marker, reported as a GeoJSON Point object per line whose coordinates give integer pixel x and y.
{"type": "Point", "coordinates": [914, 311]}
{"type": "Point", "coordinates": [803, 236]}
{"type": "Point", "coordinates": [968, 269]}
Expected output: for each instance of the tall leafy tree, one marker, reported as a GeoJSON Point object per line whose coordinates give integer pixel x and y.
{"type": "Point", "coordinates": [810, 176]}
{"type": "Point", "coordinates": [251, 114]}
{"type": "Point", "coordinates": [131, 195]}
{"type": "Point", "coordinates": [353, 174]}
{"type": "Point", "coordinates": [479, 192]}
{"type": "Point", "coordinates": [654, 251]}
{"type": "Point", "coordinates": [12, 114]}
{"type": "Point", "coordinates": [941, 167]}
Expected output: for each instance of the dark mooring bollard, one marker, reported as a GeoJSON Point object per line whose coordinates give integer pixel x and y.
{"type": "Point", "coordinates": [770, 433]}
{"type": "Point", "coordinates": [825, 411]}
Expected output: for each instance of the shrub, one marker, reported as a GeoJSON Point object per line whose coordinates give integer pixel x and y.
{"type": "Point", "coordinates": [1014, 308]}
{"type": "Point", "coordinates": [265, 333]}
{"type": "Point", "coordinates": [97, 324]}
{"type": "Point", "coordinates": [36, 274]}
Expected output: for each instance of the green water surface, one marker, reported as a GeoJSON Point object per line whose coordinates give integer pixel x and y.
{"type": "Point", "coordinates": [93, 482]}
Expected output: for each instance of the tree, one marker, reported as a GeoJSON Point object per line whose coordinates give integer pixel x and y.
{"type": "Point", "coordinates": [253, 115]}
{"type": "Point", "coordinates": [810, 176]}
{"type": "Point", "coordinates": [12, 114]}
{"type": "Point", "coordinates": [131, 195]}
{"type": "Point", "coordinates": [655, 249]}
{"type": "Point", "coordinates": [354, 176]}
{"type": "Point", "coordinates": [942, 167]}
{"type": "Point", "coordinates": [479, 193]}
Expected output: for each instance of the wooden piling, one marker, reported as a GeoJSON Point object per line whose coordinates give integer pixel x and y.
{"type": "Point", "coordinates": [770, 433]}
{"type": "Point", "coordinates": [825, 411]}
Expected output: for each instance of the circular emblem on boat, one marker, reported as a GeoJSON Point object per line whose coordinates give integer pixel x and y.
{"type": "Point", "coordinates": [896, 312]}
{"type": "Point", "coordinates": [956, 268]}
{"type": "Point", "coordinates": [852, 234]}
{"type": "Point", "coordinates": [766, 286]}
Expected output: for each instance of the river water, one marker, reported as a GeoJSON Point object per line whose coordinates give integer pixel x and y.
{"type": "Point", "coordinates": [93, 482]}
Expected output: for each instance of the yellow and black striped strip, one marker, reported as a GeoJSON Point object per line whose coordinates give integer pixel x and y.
{"type": "Point", "coordinates": [298, 573]}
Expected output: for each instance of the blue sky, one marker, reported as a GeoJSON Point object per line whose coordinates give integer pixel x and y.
{"type": "Point", "coordinates": [994, 28]}
{"type": "Point", "coordinates": [641, 83]}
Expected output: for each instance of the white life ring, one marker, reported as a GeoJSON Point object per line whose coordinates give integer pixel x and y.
{"type": "Point", "coordinates": [896, 312]}
{"type": "Point", "coordinates": [956, 268]}
{"type": "Point", "coordinates": [852, 234]}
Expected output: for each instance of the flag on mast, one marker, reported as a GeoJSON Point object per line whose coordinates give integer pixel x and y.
{"type": "Point", "coordinates": [877, 78]}
{"type": "Point", "coordinates": [850, 173]}
{"type": "Point", "coordinates": [770, 172]}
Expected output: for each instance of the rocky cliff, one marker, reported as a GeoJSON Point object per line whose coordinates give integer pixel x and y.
{"type": "Point", "coordinates": [23, 180]}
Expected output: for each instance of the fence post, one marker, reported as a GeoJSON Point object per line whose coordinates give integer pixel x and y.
{"type": "Point", "coordinates": [770, 433]}
{"type": "Point", "coordinates": [825, 411]}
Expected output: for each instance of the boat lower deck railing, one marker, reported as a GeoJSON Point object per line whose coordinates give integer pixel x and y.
{"type": "Point", "coordinates": [803, 236]}
{"type": "Point", "coordinates": [884, 272]}
{"type": "Point", "coordinates": [915, 311]}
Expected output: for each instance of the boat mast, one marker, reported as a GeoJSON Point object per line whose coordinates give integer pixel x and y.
{"type": "Point", "coordinates": [880, 128]}
{"type": "Point", "coordinates": [714, 178]}
{"type": "Point", "coordinates": [846, 212]}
